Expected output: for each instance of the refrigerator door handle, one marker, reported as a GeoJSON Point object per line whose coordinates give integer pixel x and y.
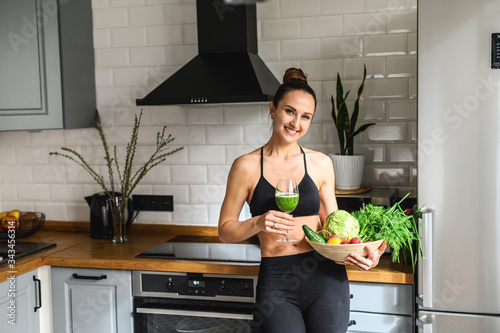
{"type": "Point", "coordinates": [423, 326]}
{"type": "Point", "coordinates": [424, 297]}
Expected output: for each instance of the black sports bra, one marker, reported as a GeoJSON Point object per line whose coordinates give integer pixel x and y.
{"type": "Point", "coordinates": [263, 194]}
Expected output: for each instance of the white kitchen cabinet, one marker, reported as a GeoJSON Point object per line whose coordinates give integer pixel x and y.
{"type": "Point", "coordinates": [47, 75]}
{"type": "Point", "coordinates": [91, 300]}
{"type": "Point", "coordinates": [381, 308]}
{"type": "Point", "coordinates": [20, 304]}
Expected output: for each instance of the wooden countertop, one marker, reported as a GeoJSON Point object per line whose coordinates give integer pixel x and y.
{"type": "Point", "coordinates": [77, 249]}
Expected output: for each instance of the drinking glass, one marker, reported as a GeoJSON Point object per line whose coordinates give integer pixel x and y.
{"type": "Point", "coordinates": [287, 198]}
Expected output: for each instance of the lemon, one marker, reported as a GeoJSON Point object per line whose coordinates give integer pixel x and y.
{"type": "Point", "coordinates": [334, 240]}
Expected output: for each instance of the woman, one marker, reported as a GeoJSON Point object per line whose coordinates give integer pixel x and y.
{"type": "Point", "coordinates": [298, 290]}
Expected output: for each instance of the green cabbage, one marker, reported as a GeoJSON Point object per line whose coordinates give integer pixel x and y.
{"type": "Point", "coordinates": [342, 224]}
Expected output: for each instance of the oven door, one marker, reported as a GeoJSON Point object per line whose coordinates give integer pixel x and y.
{"type": "Point", "coordinates": [161, 315]}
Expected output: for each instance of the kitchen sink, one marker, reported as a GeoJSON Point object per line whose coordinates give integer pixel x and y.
{"type": "Point", "coordinates": [21, 250]}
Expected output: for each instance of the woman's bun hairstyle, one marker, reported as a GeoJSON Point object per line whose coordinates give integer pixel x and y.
{"type": "Point", "coordinates": [292, 74]}
{"type": "Point", "coordinates": [294, 79]}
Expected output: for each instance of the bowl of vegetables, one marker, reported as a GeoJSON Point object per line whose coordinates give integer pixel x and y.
{"type": "Point", "coordinates": [339, 252]}
{"type": "Point", "coordinates": [345, 233]}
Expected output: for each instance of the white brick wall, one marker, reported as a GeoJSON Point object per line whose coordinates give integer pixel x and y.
{"type": "Point", "coordinates": [139, 43]}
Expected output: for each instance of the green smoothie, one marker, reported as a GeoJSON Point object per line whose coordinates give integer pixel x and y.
{"type": "Point", "coordinates": [287, 201]}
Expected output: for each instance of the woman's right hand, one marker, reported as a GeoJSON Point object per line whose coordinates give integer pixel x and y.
{"type": "Point", "coordinates": [277, 222]}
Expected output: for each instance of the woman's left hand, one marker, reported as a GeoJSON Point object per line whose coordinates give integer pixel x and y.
{"type": "Point", "coordinates": [363, 264]}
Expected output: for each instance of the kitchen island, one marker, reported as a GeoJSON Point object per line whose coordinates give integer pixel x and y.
{"type": "Point", "coordinates": [76, 249]}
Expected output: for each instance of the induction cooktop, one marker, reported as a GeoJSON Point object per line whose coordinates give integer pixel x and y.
{"type": "Point", "coordinates": [17, 250]}
{"type": "Point", "coordinates": [205, 248]}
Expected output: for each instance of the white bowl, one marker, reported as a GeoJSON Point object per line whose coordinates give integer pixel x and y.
{"type": "Point", "coordinates": [339, 252]}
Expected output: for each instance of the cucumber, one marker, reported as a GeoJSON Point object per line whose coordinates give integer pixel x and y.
{"type": "Point", "coordinates": [312, 235]}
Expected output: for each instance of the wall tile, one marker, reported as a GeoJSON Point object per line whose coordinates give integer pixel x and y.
{"type": "Point", "coordinates": [180, 13]}
{"type": "Point", "coordinates": [179, 192]}
{"type": "Point", "coordinates": [54, 211]}
{"type": "Point", "coordinates": [188, 174]}
{"type": "Point", "coordinates": [65, 192]}
{"type": "Point", "coordinates": [402, 153]}
{"type": "Point", "coordinates": [296, 8]}
{"type": "Point", "coordinates": [242, 114]}
{"type": "Point", "coordinates": [353, 68]}
{"type": "Point", "coordinates": [386, 5]}
{"type": "Point", "coordinates": [268, 9]}
{"type": "Point", "coordinates": [235, 151]}
{"type": "Point", "coordinates": [109, 17]}
{"type": "Point", "coordinates": [217, 174]}
{"type": "Point", "coordinates": [206, 154]}
{"type": "Point", "coordinates": [341, 47]}
{"type": "Point", "coordinates": [14, 139]}
{"type": "Point", "coordinates": [168, 115]}
{"type": "Point", "coordinates": [124, 37]}
{"type": "Point", "coordinates": [365, 24]}
{"type": "Point", "coordinates": [33, 192]}
{"type": "Point", "coordinates": [165, 35]}
{"type": "Point", "coordinates": [301, 49]}
{"type": "Point", "coordinates": [269, 50]}
{"type": "Point", "coordinates": [385, 45]}
{"type": "Point", "coordinates": [257, 134]}
{"type": "Point", "coordinates": [111, 58]}
{"type": "Point", "coordinates": [227, 134]}
{"type": "Point", "coordinates": [342, 6]}
{"type": "Point", "coordinates": [146, 16]}
{"type": "Point", "coordinates": [49, 174]}
{"type": "Point", "coordinates": [325, 69]}
{"type": "Point", "coordinates": [205, 115]}
{"type": "Point", "coordinates": [387, 132]}
{"type": "Point", "coordinates": [206, 194]}
{"type": "Point", "coordinates": [191, 214]}
{"type": "Point", "coordinates": [129, 77]}
{"type": "Point", "coordinates": [104, 78]}
{"type": "Point", "coordinates": [187, 134]}
{"type": "Point", "coordinates": [142, 56]}
{"type": "Point", "coordinates": [402, 22]}
{"type": "Point", "coordinates": [371, 111]}
{"type": "Point", "coordinates": [8, 193]}
{"type": "Point", "coordinates": [280, 29]}
{"type": "Point", "coordinates": [412, 43]}
{"type": "Point", "coordinates": [16, 174]}
{"type": "Point", "coordinates": [322, 26]}
{"type": "Point", "coordinates": [102, 38]}
{"type": "Point", "coordinates": [386, 88]}
{"type": "Point", "coordinates": [402, 110]}
{"type": "Point", "coordinates": [401, 66]}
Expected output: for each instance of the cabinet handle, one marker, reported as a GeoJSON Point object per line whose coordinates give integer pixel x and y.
{"type": "Point", "coordinates": [351, 323]}
{"type": "Point", "coordinates": [39, 283]}
{"type": "Point", "coordinates": [89, 277]}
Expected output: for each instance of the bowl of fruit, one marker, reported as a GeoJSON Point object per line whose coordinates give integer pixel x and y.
{"type": "Point", "coordinates": [19, 224]}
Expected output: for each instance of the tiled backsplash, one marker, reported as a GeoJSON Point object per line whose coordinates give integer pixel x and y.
{"type": "Point", "coordinates": [141, 43]}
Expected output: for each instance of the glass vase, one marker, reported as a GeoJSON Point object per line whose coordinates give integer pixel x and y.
{"type": "Point", "coordinates": [119, 214]}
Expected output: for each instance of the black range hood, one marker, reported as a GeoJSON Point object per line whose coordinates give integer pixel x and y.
{"type": "Point", "coordinates": [227, 68]}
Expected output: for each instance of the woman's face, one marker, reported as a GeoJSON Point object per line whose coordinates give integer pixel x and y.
{"type": "Point", "coordinates": [293, 115]}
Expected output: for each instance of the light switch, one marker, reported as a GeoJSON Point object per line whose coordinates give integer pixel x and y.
{"type": "Point", "coordinates": [495, 50]}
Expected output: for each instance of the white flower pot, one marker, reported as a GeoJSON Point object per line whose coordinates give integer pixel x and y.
{"type": "Point", "coordinates": [349, 171]}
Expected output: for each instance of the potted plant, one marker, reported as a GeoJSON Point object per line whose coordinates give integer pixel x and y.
{"type": "Point", "coordinates": [349, 167]}
{"type": "Point", "coordinates": [129, 175]}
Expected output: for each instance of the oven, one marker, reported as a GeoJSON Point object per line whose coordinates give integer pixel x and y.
{"type": "Point", "coordinates": [168, 302]}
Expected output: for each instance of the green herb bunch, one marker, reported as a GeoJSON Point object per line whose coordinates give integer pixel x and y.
{"type": "Point", "coordinates": [128, 178]}
{"type": "Point", "coordinates": [346, 126]}
{"type": "Point", "coordinates": [393, 225]}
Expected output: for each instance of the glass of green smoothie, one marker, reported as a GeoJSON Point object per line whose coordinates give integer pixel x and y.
{"type": "Point", "coordinates": [287, 198]}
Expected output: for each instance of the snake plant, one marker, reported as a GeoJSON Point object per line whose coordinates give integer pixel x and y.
{"type": "Point", "coordinates": [346, 126]}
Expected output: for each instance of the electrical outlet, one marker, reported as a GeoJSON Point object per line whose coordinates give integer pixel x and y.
{"type": "Point", "coordinates": [162, 203]}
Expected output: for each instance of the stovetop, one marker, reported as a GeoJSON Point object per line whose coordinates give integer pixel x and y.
{"type": "Point", "coordinates": [205, 248]}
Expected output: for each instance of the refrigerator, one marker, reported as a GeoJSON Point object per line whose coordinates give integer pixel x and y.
{"type": "Point", "coordinates": [458, 281]}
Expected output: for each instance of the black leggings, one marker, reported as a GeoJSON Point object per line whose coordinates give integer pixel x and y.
{"type": "Point", "coordinates": [302, 293]}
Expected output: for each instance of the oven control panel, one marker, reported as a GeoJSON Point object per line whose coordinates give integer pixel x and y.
{"type": "Point", "coordinates": [198, 285]}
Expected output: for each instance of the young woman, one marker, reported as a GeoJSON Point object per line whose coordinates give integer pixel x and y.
{"type": "Point", "coordinates": [298, 290]}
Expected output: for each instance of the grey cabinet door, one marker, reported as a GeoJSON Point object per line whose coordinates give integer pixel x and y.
{"type": "Point", "coordinates": [18, 299]}
{"type": "Point", "coordinates": [30, 78]}
{"type": "Point", "coordinates": [93, 300]}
